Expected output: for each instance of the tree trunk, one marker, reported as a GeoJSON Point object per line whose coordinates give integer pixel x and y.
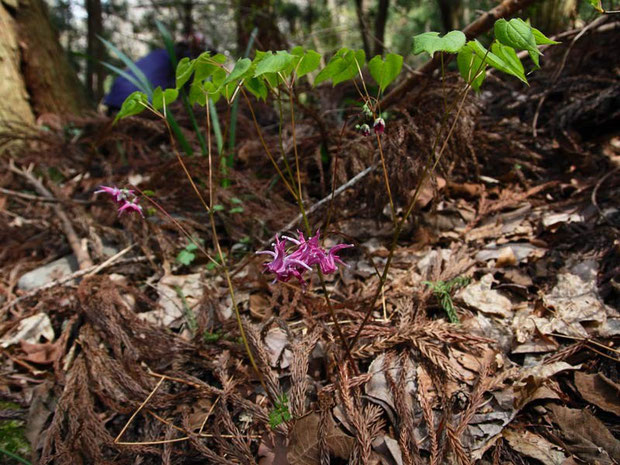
{"type": "Point", "coordinates": [361, 21]}
{"type": "Point", "coordinates": [14, 100]}
{"type": "Point", "coordinates": [451, 12]}
{"type": "Point", "coordinates": [553, 16]}
{"type": "Point", "coordinates": [36, 75]}
{"type": "Point", "coordinates": [258, 14]}
{"type": "Point", "coordinates": [380, 22]}
{"type": "Point", "coordinates": [94, 69]}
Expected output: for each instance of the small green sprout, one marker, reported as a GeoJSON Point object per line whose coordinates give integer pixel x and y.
{"type": "Point", "coordinates": [280, 412]}
{"type": "Point", "coordinates": [443, 292]}
{"type": "Point", "coordinates": [187, 255]}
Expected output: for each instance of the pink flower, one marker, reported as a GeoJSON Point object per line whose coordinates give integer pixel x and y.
{"type": "Point", "coordinates": [119, 195]}
{"type": "Point", "coordinates": [305, 254]}
{"type": "Point", "coordinates": [379, 126]}
{"type": "Point", "coordinates": [125, 198]}
{"type": "Point", "coordinates": [130, 206]}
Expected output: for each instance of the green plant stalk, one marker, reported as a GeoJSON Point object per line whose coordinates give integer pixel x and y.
{"type": "Point", "coordinates": [427, 170]}
{"type": "Point", "coordinates": [265, 148]}
{"type": "Point", "coordinates": [14, 456]}
{"type": "Point", "coordinates": [232, 134]}
{"type": "Point", "coordinates": [188, 108]}
{"type": "Point", "coordinates": [281, 140]}
{"type": "Point", "coordinates": [368, 99]}
{"type": "Point", "coordinates": [224, 265]}
{"type": "Point", "coordinates": [302, 210]}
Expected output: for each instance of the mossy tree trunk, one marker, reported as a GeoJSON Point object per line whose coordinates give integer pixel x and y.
{"type": "Point", "coordinates": [35, 74]}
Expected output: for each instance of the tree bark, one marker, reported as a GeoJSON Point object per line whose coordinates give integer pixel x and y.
{"type": "Point", "coordinates": [380, 22]}
{"type": "Point", "coordinates": [479, 26]}
{"type": "Point", "coordinates": [37, 76]}
{"type": "Point", "coordinates": [259, 14]}
{"type": "Point", "coordinates": [361, 21]}
{"type": "Point", "coordinates": [451, 11]}
{"type": "Point", "coordinates": [94, 69]}
{"type": "Point", "coordinates": [14, 99]}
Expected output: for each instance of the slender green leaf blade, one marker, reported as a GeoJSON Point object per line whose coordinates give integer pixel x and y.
{"type": "Point", "coordinates": [542, 39]}
{"type": "Point", "coordinates": [145, 84]}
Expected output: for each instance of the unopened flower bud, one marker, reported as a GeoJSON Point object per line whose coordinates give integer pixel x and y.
{"type": "Point", "coordinates": [379, 126]}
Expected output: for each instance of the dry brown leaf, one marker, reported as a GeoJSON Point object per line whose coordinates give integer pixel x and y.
{"type": "Point", "coordinates": [30, 329]}
{"type": "Point", "coordinates": [43, 354]}
{"type": "Point", "coordinates": [586, 436]}
{"type": "Point", "coordinates": [599, 390]}
{"type": "Point", "coordinates": [534, 446]}
{"type": "Point", "coordinates": [303, 446]}
{"type": "Point", "coordinates": [480, 296]}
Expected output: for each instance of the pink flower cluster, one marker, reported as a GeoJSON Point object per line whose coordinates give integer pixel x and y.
{"type": "Point", "coordinates": [124, 198]}
{"type": "Point", "coordinates": [305, 254]}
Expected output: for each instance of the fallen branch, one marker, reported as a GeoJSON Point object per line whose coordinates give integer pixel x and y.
{"type": "Point", "coordinates": [92, 270]}
{"type": "Point", "coordinates": [79, 249]}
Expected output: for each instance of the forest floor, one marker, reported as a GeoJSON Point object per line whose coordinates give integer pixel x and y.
{"type": "Point", "coordinates": [119, 340]}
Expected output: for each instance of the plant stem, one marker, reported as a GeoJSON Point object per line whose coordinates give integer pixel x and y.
{"type": "Point", "coordinates": [264, 144]}
{"type": "Point", "coordinates": [429, 167]}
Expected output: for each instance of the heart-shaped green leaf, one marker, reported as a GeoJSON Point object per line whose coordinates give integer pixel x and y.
{"type": "Point", "coordinates": [385, 71]}
{"type": "Point", "coordinates": [430, 42]}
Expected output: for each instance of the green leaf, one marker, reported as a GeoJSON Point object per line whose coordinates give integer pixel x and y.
{"type": "Point", "coordinates": [256, 87]}
{"type": "Point", "coordinates": [471, 67]}
{"type": "Point", "coordinates": [185, 68]}
{"type": "Point", "coordinates": [164, 98]}
{"type": "Point", "coordinates": [239, 70]}
{"type": "Point", "coordinates": [518, 34]}
{"type": "Point", "coordinates": [384, 72]}
{"type": "Point", "coordinates": [197, 94]}
{"type": "Point", "coordinates": [430, 42]}
{"type": "Point", "coordinates": [135, 103]}
{"type": "Point", "coordinates": [596, 4]}
{"type": "Point", "coordinates": [273, 63]}
{"type": "Point", "coordinates": [542, 39]}
{"type": "Point", "coordinates": [509, 55]}
{"type": "Point", "coordinates": [496, 62]}
{"type": "Point", "coordinates": [185, 257]}
{"type": "Point", "coordinates": [341, 67]}
{"type": "Point", "coordinates": [307, 63]}
{"type": "Point", "coordinates": [236, 210]}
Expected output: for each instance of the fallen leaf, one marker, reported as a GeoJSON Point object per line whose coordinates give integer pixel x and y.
{"type": "Point", "coordinates": [42, 354]}
{"type": "Point", "coordinates": [303, 448]}
{"type": "Point", "coordinates": [173, 291]}
{"type": "Point", "coordinates": [575, 300]}
{"type": "Point", "coordinates": [534, 446]}
{"type": "Point", "coordinates": [480, 296]}
{"type": "Point", "coordinates": [586, 436]}
{"type": "Point", "coordinates": [31, 330]}
{"type": "Point", "coordinates": [599, 390]}
{"type": "Point", "coordinates": [276, 341]}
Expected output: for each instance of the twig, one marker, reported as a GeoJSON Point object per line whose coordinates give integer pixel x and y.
{"type": "Point", "coordinates": [354, 180]}
{"type": "Point", "coordinates": [38, 198]}
{"type": "Point", "coordinates": [595, 190]}
{"type": "Point", "coordinates": [86, 272]}
{"type": "Point", "coordinates": [80, 251]}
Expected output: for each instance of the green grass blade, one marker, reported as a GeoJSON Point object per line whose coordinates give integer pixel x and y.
{"type": "Point", "coordinates": [126, 75]}
{"type": "Point", "coordinates": [169, 44]}
{"type": "Point", "coordinates": [131, 66]}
